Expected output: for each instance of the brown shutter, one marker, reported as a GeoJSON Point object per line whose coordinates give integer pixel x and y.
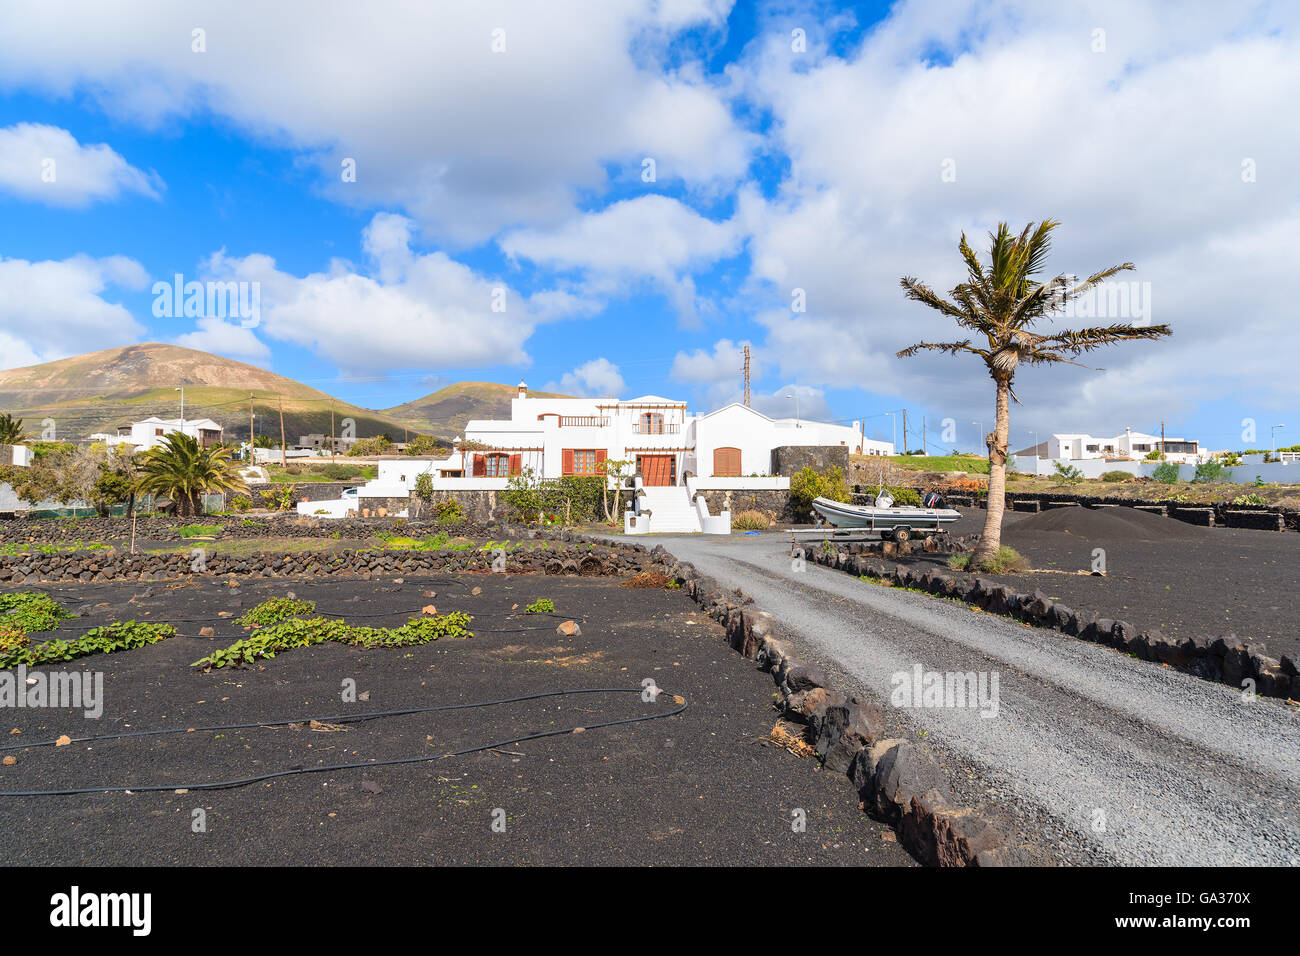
{"type": "Point", "coordinates": [566, 466]}
{"type": "Point", "coordinates": [601, 455]}
{"type": "Point", "coordinates": [480, 466]}
{"type": "Point", "coordinates": [516, 464]}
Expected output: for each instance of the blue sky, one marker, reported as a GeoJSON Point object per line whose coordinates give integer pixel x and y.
{"type": "Point", "coordinates": [829, 148]}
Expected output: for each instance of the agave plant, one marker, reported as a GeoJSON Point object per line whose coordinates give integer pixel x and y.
{"type": "Point", "coordinates": [184, 471]}
{"type": "Point", "coordinates": [11, 430]}
{"type": "Point", "coordinates": [1001, 304]}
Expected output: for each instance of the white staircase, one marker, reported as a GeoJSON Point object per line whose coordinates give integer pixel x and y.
{"type": "Point", "coordinates": [671, 510]}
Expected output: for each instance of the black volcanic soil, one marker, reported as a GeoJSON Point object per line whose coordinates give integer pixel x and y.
{"type": "Point", "coordinates": [1163, 575]}
{"type": "Point", "coordinates": [697, 788]}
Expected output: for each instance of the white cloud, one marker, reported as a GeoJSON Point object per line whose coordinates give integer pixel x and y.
{"type": "Point", "coordinates": [412, 310]}
{"type": "Point", "coordinates": [47, 164]}
{"type": "Point", "coordinates": [1138, 149]}
{"type": "Point", "coordinates": [466, 140]}
{"type": "Point", "coordinates": [794, 401]}
{"type": "Point", "coordinates": [224, 338]}
{"type": "Point", "coordinates": [599, 378]}
{"type": "Point", "coordinates": [651, 238]}
{"type": "Point", "coordinates": [52, 309]}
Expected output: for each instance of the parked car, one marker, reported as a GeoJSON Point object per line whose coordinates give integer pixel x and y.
{"type": "Point", "coordinates": [350, 494]}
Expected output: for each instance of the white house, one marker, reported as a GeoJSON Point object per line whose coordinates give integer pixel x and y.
{"type": "Point", "coordinates": [675, 452]}
{"type": "Point", "coordinates": [658, 437]}
{"type": "Point", "coordinates": [149, 433]}
{"type": "Point", "coordinates": [1130, 444]}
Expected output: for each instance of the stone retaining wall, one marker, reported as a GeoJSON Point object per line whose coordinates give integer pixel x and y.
{"type": "Point", "coordinates": [1219, 658]}
{"type": "Point", "coordinates": [101, 566]}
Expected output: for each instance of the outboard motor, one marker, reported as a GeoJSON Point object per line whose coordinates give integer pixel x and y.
{"type": "Point", "coordinates": [884, 500]}
{"type": "Point", "coordinates": [932, 499]}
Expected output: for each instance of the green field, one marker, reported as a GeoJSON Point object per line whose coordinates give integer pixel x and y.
{"type": "Point", "coordinates": [970, 463]}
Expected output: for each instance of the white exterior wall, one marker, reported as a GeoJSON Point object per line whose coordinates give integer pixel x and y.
{"type": "Point", "coordinates": [1273, 471]}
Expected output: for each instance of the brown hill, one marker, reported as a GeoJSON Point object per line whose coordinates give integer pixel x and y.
{"type": "Point", "coordinates": [100, 390]}
{"type": "Point", "coordinates": [444, 413]}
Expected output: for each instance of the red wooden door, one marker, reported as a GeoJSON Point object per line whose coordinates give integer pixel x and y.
{"type": "Point", "coordinates": [657, 469]}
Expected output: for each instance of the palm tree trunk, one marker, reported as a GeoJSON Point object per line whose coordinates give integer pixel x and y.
{"type": "Point", "coordinates": [991, 536]}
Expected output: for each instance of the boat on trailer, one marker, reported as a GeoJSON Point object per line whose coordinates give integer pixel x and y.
{"type": "Point", "coordinates": [895, 523]}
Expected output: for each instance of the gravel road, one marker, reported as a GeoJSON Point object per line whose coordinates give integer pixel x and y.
{"type": "Point", "coordinates": [1113, 759]}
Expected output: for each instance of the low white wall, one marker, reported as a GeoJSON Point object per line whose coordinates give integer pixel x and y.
{"type": "Point", "coordinates": [332, 509]}
{"type": "Point", "coordinates": [1273, 471]}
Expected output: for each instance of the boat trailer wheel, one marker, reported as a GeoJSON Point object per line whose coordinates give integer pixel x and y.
{"type": "Point", "coordinates": [901, 535]}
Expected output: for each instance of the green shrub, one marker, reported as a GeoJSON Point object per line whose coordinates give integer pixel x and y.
{"type": "Point", "coordinates": [541, 606]}
{"type": "Point", "coordinates": [1007, 561]}
{"type": "Point", "coordinates": [750, 520]}
{"type": "Point", "coordinates": [424, 486]}
{"type": "Point", "coordinates": [1166, 473]}
{"type": "Point", "coordinates": [241, 503]}
{"type": "Point", "coordinates": [449, 512]}
{"type": "Point", "coordinates": [807, 485]}
{"type": "Point", "coordinates": [1208, 471]}
{"type": "Point", "coordinates": [1251, 499]}
{"type": "Point", "coordinates": [1066, 474]}
{"type": "Point", "coordinates": [1115, 476]}
{"type": "Point", "coordinates": [905, 496]}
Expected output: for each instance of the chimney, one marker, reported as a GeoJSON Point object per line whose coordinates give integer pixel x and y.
{"type": "Point", "coordinates": [523, 389]}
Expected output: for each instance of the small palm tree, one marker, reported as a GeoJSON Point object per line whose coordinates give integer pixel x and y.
{"type": "Point", "coordinates": [184, 471]}
{"type": "Point", "coordinates": [1001, 304]}
{"type": "Point", "coordinates": [11, 430]}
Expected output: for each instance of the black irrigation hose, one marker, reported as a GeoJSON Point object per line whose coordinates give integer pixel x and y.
{"type": "Point", "coordinates": [345, 718]}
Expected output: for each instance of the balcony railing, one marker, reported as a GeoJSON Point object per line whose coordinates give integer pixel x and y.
{"type": "Point", "coordinates": [583, 421]}
{"type": "Point", "coordinates": [655, 428]}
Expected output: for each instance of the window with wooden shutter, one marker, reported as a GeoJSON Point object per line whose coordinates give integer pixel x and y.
{"type": "Point", "coordinates": [516, 464]}
{"type": "Point", "coordinates": [480, 466]}
{"type": "Point", "coordinates": [726, 462]}
{"type": "Point", "coordinates": [566, 465]}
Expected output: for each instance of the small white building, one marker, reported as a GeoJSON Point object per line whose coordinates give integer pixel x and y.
{"type": "Point", "coordinates": [149, 433]}
{"type": "Point", "coordinates": [1070, 446]}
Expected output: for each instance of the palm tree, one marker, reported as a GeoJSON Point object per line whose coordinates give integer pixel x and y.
{"type": "Point", "coordinates": [1001, 304]}
{"type": "Point", "coordinates": [182, 470]}
{"type": "Point", "coordinates": [11, 430]}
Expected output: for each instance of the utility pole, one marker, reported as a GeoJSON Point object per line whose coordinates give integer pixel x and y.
{"type": "Point", "coordinates": [250, 429]}
{"type": "Point", "coordinates": [284, 451]}
{"type": "Point", "coordinates": [331, 431]}
{"type": "Point", "coordinates": [746, 376]}
{"type": "Point", "coordinates": [923, 451]}
{"type": "Point", "coordinates": [905, 449]}
{"type": "Point", "coordinates": [1162, 440]}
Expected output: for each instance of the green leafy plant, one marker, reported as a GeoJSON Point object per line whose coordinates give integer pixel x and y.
{"type": "Point", "coordinates": [1115, 476]}
{"type": "Point", "coordinates": [1250, 499]}
{"type": "Point", "coordinates": [305, 632]}
{"type": "Point", "coordinates": [118, 636]}
{"type": "Point", "coordinates": [541, 606]}
{"type": "Point", "coordinates": [424, 486]}
{"type": "Point", "coordinates": [904, 496]}
{"type": "Point", "coordinates": [31, 611]}
{"type": "Point", "coordinates": [1007, 560]}
{"type": "Point", "coordinates": [1208, 471]}
{"type": "Point", "coordinates": [241, 503]}
{"type": "Point", "coordinates": [808, 484]}
{"type": "Point", "coordinates": [274, 611]}
{"type": "Point", "coordinates": [1066, 474]}
{"type": "Point", "coordinates": [1166, 473]}
{"type": "Point", "coordinates": [750, 520]}
{"type": "Point", "coordinates": [198, 530]}
{"type": "Point", "coordinates": [449, 512]}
